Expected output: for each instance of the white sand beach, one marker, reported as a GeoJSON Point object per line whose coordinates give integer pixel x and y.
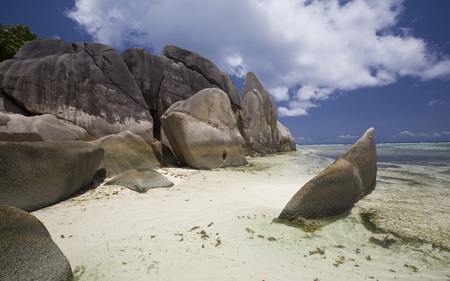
{"type": "Point", "coordinates": [217, 225]}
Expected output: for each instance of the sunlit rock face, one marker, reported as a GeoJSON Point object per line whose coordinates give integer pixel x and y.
{"type": "Point", "coordinates": [259, 124]}
{"type": "Point", "coordinates": [87, 84]}
{"type": "Point", "coordinates": [336, 189]}
{"type": "Point", "coordinates": [203, 132]}
{"type": "Point", "coordinates": [176, 75]}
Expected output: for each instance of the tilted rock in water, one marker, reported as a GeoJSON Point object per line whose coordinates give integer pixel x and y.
{"type": "Point", "coordinates": [336, 189]}
{"type": "Point", "coordinates": [259, 126]}
{"type": "Point", "coordinates": [35, 175]}
{"type": "Point", "coordinates": [140, 180]}
{"type": "Point", "coordinates": [87, 84]}
{"type": "Point", "coordinates": [16, 127]}
{"type": "Point", "coordinates": [125, 151]}
{"type": "Point", "coordinates": [27, 249]}
{"type": "Point", "coordinates": [203, 132]}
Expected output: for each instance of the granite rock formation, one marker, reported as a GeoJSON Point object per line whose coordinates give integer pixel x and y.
{"type": "Point", "coordinates": [140, 180]}
{"type": "Point", "coordinates": [336, 189]}
{"type": "Point", "coordinates": [27, 249]}
{"type": "Point", "coordinates": [87, 84]}
{"type": "Point", "coordinates": [125, 151]}
{"type": "Point", "coordinates": [202, 131]}
{"type": "Point", "coordinates": [175, 76]}
{"type": "Point", "coordinates": [17, 127]}
{"type": "Point", "coordinates": [259, 124]}
{"type": "Point", "coordinates": [39, 174]}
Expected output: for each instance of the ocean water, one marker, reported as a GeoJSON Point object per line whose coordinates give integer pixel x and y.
{"type": "Point", "coordinates": [412, 195]}
{"type": "Point", "coordinates": [411, 201]}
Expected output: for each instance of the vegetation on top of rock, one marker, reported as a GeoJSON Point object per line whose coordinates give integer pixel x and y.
{"type": "Point", "coordinates": [12, 39]}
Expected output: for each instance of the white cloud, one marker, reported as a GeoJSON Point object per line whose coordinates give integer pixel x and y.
{"type": "Point", "coordinates": [324, 46]}
{"type": "Point", "coordinates": [280, 93]}
{"type": "Point", "coordinates": [435, 103]}
{"type": "Point", "coordinates": [347, 137]}
{"type": "Point", "coordinates": [408, 134]}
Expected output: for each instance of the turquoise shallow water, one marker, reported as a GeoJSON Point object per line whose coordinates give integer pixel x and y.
{"type": "Point", "coordinates": [412, 196]}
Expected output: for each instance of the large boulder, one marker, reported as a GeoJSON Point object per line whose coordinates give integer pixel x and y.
{"type": "Point", "coordinates": [16, 127]}
{"type": "Point", "coordinates": [87, 84]}
{"type": "Point", "coordinates": [259, 124]}
{"type": "Point", "coordinates": [203, 132]}
{"type": "Point", "coordinates": [175, 76]}
{"type": "Point", "coordinates": [140, 180]}
{"type": "Point", "coordinates": [206, 68]}
{"type": "Point", "coordinates": [336, 189]}
{"type": "Point", "coordinates": [38, 174]}
{"type": "Point", "coordinates": [27, 249]}
{"type": "Point", "coordinates": [125, 151]}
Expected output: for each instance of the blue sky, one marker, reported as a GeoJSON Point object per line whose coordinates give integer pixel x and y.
{"type": "Point", "coordinates": [334, 68]}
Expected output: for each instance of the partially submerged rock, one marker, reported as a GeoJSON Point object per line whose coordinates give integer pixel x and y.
{"type": "Point", "coordinates": [203, 132]}
{"type": "Point", "coordinates": [35, 175]}
{"type": "Point", "coordinates": [140, 180]}
{"type": "Point", "coordinates": [27, 249]}
{"type": "Point", "coordinates": [336, 189]}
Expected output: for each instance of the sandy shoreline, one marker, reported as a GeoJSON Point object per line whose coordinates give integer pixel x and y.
{"type": "Point", "coordinates": [217, 225]}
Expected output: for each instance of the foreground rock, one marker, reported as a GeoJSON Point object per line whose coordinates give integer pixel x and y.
{"type": "Point", "coordinates": [140, 180]}
{"type": "Point", "coordinates": [87, 84]}
{"type": "Point", "coordinates": [203, 132]}
{"type": "Point", "coordinates": [27, 249]}
{"type": "Point", "coordinates": [125, 151]}
{"type": "Point", "coordinates": [336, 189]}
{"type": "Point", "coordinates": [259, 124]}
{"type": "Point", "coordinates": [35, 175]}
{"type": "Point", "coordinates": [16, 127]}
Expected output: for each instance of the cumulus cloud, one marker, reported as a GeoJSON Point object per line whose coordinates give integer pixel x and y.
{"type": "Point", "coordinates": [318, 47]}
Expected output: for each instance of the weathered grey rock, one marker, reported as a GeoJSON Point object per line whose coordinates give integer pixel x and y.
{"type": "Point", "coordinates": [259, 124]}
{"type": "Point", "coordinates": [27, 249]}
{"type": "Point", "coordinates": [202, 131]}
{"type": "Point", "coordinates": [175, 76]}
{"type": "Point", "coordinates": [206, 68]}
{"type": "Point", "coordinates": [140, 180]}
{"type": "Point", "coordinates": [16, 127]}
{"type": "Point", "coordinates": [35, 175]}
{"type": "Point", "coordinates": [336, 189]}
{"type": "Point", "coordinates": [87, 84]}
{"type": "Point", "coordinates": [148, 72]}
{"type": "Point", "coordinates": [125, 151]}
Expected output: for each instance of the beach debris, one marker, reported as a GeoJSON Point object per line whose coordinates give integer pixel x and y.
{"type": "Point", "coordinates": [62, 236]}
{"type": "Point", "coordinates": [249, 230]}
{"type": "Point", "coordinates": [204, 236]}
{"type": "Point", "coordinates": [194, 228]}
{"type": "Point", "coordinates": [271, 239]}
{"type": "Point", "coordinates": [261, 236]}
{"type": "Point", "coordinates": [339, 261]}
{"type": "Point", "coordinates": [310, 228]}
{"type": "Point", "coordinates": [178, 234]}
{"type": "Point", "coordinates": [385, 242]}
{"type": "Point", "coordinates": [320, 251]}
{"type": "Point", "coordinates": [368, 258]}
{"type": "Point", "coordinates": [209, 225]}
{"type": "Point", "coordinates": [414, 268]}
{"type": "Point", "coordinates": [218, 242]}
